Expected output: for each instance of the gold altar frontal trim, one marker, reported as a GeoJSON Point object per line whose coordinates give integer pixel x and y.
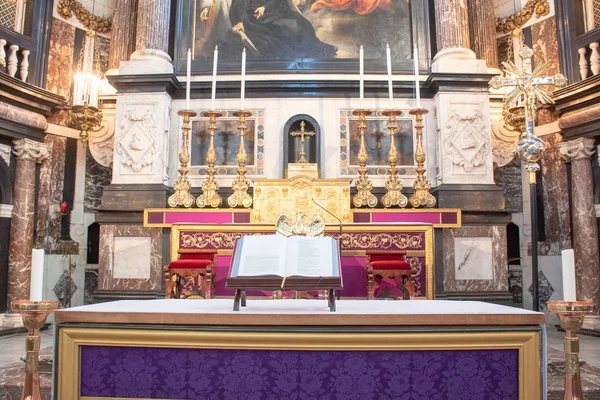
{"type": "Point", "coordinates": [232, 231]}
{"type": "Point", "coordinates": [71, 340]}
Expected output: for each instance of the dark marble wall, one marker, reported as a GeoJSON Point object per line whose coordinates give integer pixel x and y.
{"type": "Point", "coordinates": [60, 58]}
{"type": "Point", "coordinates": [510, 180]}
{"type": "Point", "coordinates": [97, 177]}
{"type": "Point", "coordinates": [545, 47]}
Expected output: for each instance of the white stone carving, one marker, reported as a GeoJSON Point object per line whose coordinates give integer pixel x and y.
{"type": "Point", "coordinates": [467, 141]}
{"type": "Point", "coordinates": [28, 149]}
{"type": "Point", "coordinates": [101, 142]}
{"type": "Point", "coordinates": [577, 149]}
{"type": "Point", "coordinates": [504, 141]}
{"type": "Point", "coordinates": [5, 151]}
{"type": "Point", "coordinates": [138, 143]}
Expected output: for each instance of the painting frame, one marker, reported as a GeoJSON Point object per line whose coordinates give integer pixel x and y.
{"type": "Point", "coordinates": [419, 31]}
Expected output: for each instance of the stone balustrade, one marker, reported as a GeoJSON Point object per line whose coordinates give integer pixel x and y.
{"type": "Point", "coordinates": [14, 60]}
{"type": "Point", "coordinates": [589, 55]}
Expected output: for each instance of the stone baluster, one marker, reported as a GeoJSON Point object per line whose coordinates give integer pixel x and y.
{"type": "Point", "coordinates": [24, 67]}
{"type": "Point", "coordinates": [153, 19]}
{"type": "Point", "coordinates": [585, 230]}
{"type": "Point", "coordinates": [122, 42]}
{"type": "Point", "coordinates": [482, 25]}
{"type": "Point", "coordinates": [583, 64]}
{"type": "Point", "coordinates": [2, 54]}
{"type": "Point", "coordinates": [595, 58]}
{"type": "Point", "coordinates": [27, 153]}
{"type": "Point", "coordinates": [12, 59]}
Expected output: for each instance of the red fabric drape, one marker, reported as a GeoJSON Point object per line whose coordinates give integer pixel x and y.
{"type": "Point", "coordinates": [361, 7]}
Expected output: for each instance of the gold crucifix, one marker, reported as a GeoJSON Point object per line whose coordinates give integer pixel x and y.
{"type": "Point", "coordinates": [302, 133]}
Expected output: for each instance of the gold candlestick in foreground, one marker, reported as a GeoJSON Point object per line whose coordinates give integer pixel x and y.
{"type": "Point", "coordinates": [34, 315]}
{"type": "Point", "coordinates": [421, 196]}
{"type": "Point", "coordinates": [240, 196]}
{"type": "Point", "coordinates": [210, 187]}
{"type": "Point", "coordinates": [393, 185]}
{"type": "Point", "coordinates": [363, 196]}
{"type": "Point", "coordinates": [182, 195]}
{"type": "Point", "coordinates": [570, 315]}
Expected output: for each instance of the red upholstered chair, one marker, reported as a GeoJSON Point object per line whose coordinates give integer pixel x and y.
{"type": "Point", "coordinates": [389, 264]}
{"type": "Point", "coordinates": [191, 275]}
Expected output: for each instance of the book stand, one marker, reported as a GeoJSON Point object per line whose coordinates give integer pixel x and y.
{"type": "Point", "coordinates": [274, 283]}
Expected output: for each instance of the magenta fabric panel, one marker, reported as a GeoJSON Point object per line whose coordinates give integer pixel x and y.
{"type": "Point", "coordinates": [172, 217]}
{"type": "Point", "coordinates": [449, 217]}
{"type": "Point", "coordinates": [155, 217]}
{"type": "Point", "coordinates": [241, 217]}
{"type": "Point", "coordinates": [362, 217]}
{"type": "Point", "coordinates": [413, 217]}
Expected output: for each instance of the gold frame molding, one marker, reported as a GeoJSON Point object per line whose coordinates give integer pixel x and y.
{"type": "Point", "coordinates": [269, 228]}
{"type": "Point", "coordinates": [71, 340]}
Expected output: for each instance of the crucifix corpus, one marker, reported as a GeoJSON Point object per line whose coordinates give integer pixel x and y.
{"type": "Point", "coordinates": [302, 133]}
{"type": "Point", "coordinates": [522, 103]}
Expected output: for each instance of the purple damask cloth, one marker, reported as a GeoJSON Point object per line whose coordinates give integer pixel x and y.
{"type": "Point", "coordinates": [169, 373]}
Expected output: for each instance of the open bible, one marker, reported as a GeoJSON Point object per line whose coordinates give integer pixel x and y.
{"type": "Point", "coordinates": [276, 262]}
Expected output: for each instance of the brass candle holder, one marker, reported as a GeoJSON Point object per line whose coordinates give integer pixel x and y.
{"type": "Point", "coordinates": [570, 315]}
{"type": "Point", "coordinates": [393, 185]}
{"type": "Point", "coordinates": [182, 195]}
{"type": "Point", "coordinates": [85, 118]}
{"type": "Point", "coordinates": [210, 188]}
{"type": "Point", "coordinates": [364, 186]}
{"type": "Point", "coordinates": [241, 184]}
{"type": "Point", "coordinates": [34, 315]}
{"type": "Point", "coordinates": [421, 196]}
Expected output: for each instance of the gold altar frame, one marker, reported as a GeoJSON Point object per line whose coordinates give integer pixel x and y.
{"type": "Point", "coordinates": [71, 340]}
{"type": "Point", "coordinates": [269, 228]}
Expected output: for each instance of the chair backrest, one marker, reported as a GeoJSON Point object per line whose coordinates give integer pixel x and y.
{"type": "Point", "coordinates": [197, 254]}
{"type": "Point", "coordinates": [385, 255]}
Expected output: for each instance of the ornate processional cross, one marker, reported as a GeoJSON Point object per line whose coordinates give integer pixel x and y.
{"type": "Point", "coordinates": [302, 133]}
{"type": "Point", "coordinates": [526, 90]}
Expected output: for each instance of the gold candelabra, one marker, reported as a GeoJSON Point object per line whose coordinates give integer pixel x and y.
{"type": "Point", "coordinates": [393, 185]}
{"type": "Point", "coordinates": [34, 315]}
{"type": "Point", "coordinates": [210, 188]}
{"type": "Point", "coordinates": [421, 196]}
{"type": "Point", "coordinates": [364, 186]}
{"type": "Point", "coordinates": [182, 195]}
{"type": "Point", "coordinates": [241, 184]}
{"type": "Point", "coordinates": [570, 315]}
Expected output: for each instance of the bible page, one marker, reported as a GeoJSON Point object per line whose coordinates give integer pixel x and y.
{"type": "Point", "coordinates": [262, 255]}
{"type": "Point", "coordinates": [310, 256]}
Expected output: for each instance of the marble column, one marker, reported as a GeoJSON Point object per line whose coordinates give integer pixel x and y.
{"type": "Point", "coordinates": [153, 20]}
{"type": "Point", "coordinates": [482, 25]}
{"type": "Point", "coordinates": [27, 153]}
{"type": "Point", "coordinates": [452, 37]}
{"type": "Point", "coordinates": [122, 43]}
{"type": "Point", "coordinates": [585, 229]}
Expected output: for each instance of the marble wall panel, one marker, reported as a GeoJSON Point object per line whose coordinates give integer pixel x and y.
{"type": "Point", "coordinates": [97, 177]}
{"type": "Point", "coordinates": [509, 179]}
{"type": "Point", "coordinates": [60, 60]}
{"type": "Point", "coordinates": [557, 218]}
{"type": "Point", "coordinates": [456, 246]}
{"type": "Point", "coordinates": [545, 47]}
{"type": "Point", "coordinates": [108, 280]}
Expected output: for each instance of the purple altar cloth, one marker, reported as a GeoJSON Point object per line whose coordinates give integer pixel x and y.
{"type": "Point", "coordinates": [169, 373]}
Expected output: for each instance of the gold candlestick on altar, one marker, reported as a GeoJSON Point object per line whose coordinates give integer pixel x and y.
{"type": "Point", "coordinates": [570, 315]}
{"type": "Point", "coordinates": [363, 196]}
{"type": "Point", "coordinates": [182, 195]}
{"type": "Point", "coordinates": [393, 185]}
{"type": "Point", "coordinates": [34, 315]}
{"type": "Point", "coordinates": [210, 188]}
{"type": "Point", "coordinates": [302, 133]}
{"type": "Point", "coordinates": [240, 196]}
{"type": "Point", "coordinates": [421, 196]}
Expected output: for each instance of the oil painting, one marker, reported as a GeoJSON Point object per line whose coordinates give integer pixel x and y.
{"type": "Point", "coordinates": [299, 29]}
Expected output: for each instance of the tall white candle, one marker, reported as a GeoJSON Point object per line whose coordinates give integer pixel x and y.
{"type": "Point", "coordinates": [417, 78]}
{"type": "Point", "coordinates": [361, 64]}
{"type": "Point", "coordinates": [188, 80]}
{"type": "Point", "coordinates": [568, 275]}
{"type": "Point", "coordinates": [389, 72]}
{"type": "Point", "coordinates": [243, 90]}
{"type": "Point", "coordinates": [214, 79]}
